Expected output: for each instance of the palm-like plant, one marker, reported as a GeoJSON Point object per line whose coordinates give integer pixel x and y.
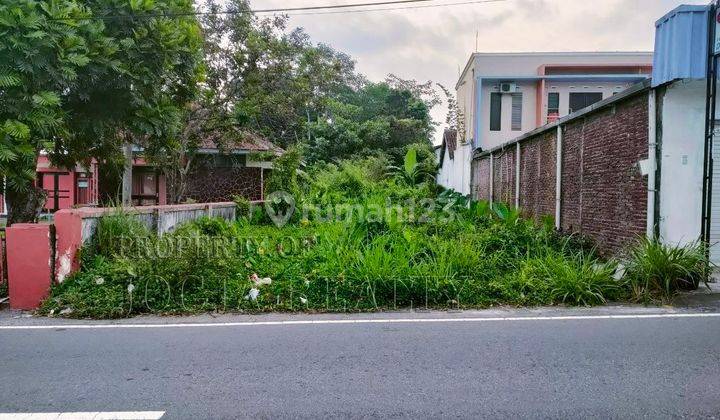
{"type": "Point", "coordinates": [411, 173]}
{"type": "Point", "coordinates": [655, 269]}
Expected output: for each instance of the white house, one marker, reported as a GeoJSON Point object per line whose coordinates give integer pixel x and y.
{"type": "Point", "coordinates": [504, 95]}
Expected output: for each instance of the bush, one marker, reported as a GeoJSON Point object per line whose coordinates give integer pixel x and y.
{"type": "Point", "coordinates": [284, 175]}
{"type": "Point", "coordinates": [657, 271]}
{"type": "Point", "coordinates": [242, 207]}
{"type": "Point", "coordinates": [112, 229]}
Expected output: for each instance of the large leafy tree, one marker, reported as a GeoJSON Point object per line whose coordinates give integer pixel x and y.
{"type": "Point", "coordinates": [277, 82]}
{"type": "Point", "coordinates": [272, 79]}
{"type": "Point", "coordinates": [375, 118]}
{"type": "Point", "coordinates": [78, 79]}
{"type": "Point", "coordinates": [44, 47]}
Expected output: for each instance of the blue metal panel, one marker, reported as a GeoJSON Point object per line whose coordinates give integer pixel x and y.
{"type": "Point", "coordinates": [681, 47]}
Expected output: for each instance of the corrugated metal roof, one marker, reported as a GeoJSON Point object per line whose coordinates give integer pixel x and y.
{"type": "Point", "coordinates": [681, 38]}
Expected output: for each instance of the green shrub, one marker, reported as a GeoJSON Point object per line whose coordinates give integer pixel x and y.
{"type": "Point", "coordinates": [242, 207]}
{"type": "Point", "coordinates": [555, 278]}
{"type": "Point", "coordinates": [656, 270]}
{"type": "Point", "coordinates": [113, 229]}
{"type": "Point", "coordinates": [208, 226]}
{"type": "Point", "coordinates": [284, 175]}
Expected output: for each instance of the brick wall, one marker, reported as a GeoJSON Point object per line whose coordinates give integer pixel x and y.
{"type": "Point", "coordinates": [208, 185]}
{"type": "Point", "coordinates": [537, 176]}
{"type": "Point", "coordinates": [481, 179]}
{"type": "Point", "coordinates": [603, 194]}
{"type": "Point", "coordinates": [504, 176]}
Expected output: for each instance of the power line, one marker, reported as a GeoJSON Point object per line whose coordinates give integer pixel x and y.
{"type": "Point", "coordinates": [305, 10]}
{"type": "Point", "coordinates": [339, 6]}
{"type": "Point", "coordinates": [396, 8]}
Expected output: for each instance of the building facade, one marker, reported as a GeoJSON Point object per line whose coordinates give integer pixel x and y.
{"type": "Point", "coordinates": [504, 95]}
{"type": "Point", "coordinates": [217, 173]}
{"type": "Point", "coordinates": [638, 163]}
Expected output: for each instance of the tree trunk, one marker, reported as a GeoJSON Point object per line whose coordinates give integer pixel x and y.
{"type": "Point", "coordinates": [127, 176]}
{"type": "Point", "coordinates": [25, 207]}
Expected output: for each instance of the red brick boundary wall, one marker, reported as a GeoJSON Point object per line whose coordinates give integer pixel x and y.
{"type": "Point", "coordinates": [602, 193]}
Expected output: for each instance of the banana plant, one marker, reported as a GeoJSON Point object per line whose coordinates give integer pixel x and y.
{"type": "Point", "coordinates": [411, 173]}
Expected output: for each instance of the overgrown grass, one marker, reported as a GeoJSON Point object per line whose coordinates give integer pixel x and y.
{"type": "Point", "coordinates": [656, 271]}
{"type": "Point", "coordinates": [462, 255]}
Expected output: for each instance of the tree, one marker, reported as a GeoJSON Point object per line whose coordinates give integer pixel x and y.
{"type": "Point", "coordinates": [455, 119]}
{"type": "Point", "coordinates": [77, 85]}
{"type": "Point", "coordinates": [273, 80]}
{"type": "Point", "coordinates": [159, 69]}
{"type": "Point", "coordinates": [375, 118]}
{"type": "Point", "coordinates": [44, 48]}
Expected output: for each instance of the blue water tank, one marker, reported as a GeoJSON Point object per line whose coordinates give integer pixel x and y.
{"type": "Point", "coordinates": [681, 45]}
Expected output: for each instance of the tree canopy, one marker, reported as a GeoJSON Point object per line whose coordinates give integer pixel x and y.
{"type": "Point", "coordinates": [279, 83]}
{"type": "Point", "coordinates": [78, 79]}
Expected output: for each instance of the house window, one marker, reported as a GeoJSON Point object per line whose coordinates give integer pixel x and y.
{"type": "Point", "coordinates": [580, 100]}
{"type": "Point", "coordinates": [516, 118]}
{"type": "Point", "coordinates": [82, 195]}
{"type": "Point", "coordinates": [553, 111]}
{"type": "Point", "coordinates": [495, 111]}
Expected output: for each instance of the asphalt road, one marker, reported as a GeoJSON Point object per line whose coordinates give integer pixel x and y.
{"type": "Point", "coordinates": [539, 368]}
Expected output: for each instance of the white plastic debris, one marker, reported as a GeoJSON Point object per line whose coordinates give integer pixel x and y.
{"type": "Point", "coordinates": [131, 287]}
{"type": "Point", "coordinates": [253, 295]}
{"type": "Point", "coordinates": [303, 300]}
{"type": "Point", "coordinates": [66, 311]}
{"type": "Point", "coordinates": [620, 272]}
{"type": "Point", "coordinates": [99, 280]}
{"type": "Point", "coordinates": [260, 281]}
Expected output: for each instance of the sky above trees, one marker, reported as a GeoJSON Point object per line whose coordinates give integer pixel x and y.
{"type": "Point", "coordinates": [434, 43]}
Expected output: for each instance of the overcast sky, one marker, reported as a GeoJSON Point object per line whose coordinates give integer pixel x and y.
{"type": "Point", "coordinates": [435, 43]}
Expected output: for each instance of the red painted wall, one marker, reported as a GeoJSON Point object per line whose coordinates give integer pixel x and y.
{"type": "Point", "coordinates": [29, 260]}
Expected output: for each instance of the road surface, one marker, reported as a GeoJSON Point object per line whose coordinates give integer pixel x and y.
{"type": "Point", "coordinates": [534, 364]}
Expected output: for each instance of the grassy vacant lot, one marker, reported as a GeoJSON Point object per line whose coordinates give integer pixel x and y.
{"type": "Point", "coordinates": [360, 240]}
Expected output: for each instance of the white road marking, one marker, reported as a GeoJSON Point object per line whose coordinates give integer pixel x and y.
{"type": "Point", "coordinates": [359, 321]}
{"type": "Point", "coordinates": [90, 415]}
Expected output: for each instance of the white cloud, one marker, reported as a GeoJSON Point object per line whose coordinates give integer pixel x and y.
{"type": "Point", "coordinates": [435, 43]}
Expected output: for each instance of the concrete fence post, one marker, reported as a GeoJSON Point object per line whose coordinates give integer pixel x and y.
{"type": "Point", "coordinates": [492, 180]}
{"type": "Point", "coordinates": [157, 221]}
{"type": "Point", "coordinates": [30, 263]}
{"type": "Point", "coordinates": [558, 176]}
{"type": "Point", "coordinates": [652, 165]}
{"type": "Point", "coordinates": [517, 175]}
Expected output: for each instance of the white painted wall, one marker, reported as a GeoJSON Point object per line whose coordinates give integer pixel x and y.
{"type": "Point", "coordinates": [466, 104]}
{"type": "Point", "coordinates": [490, 139]}
{"type": "Point", "coordinates": [455, 173]}
{"type": "Point", "coordinates": [527, 63]}
{"type": "Point", "coordinates": [608, 89]}
{"type": "Point", "coordinates": [683, 132]}
{"type": "Point", "coordinates": [509, 65]}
